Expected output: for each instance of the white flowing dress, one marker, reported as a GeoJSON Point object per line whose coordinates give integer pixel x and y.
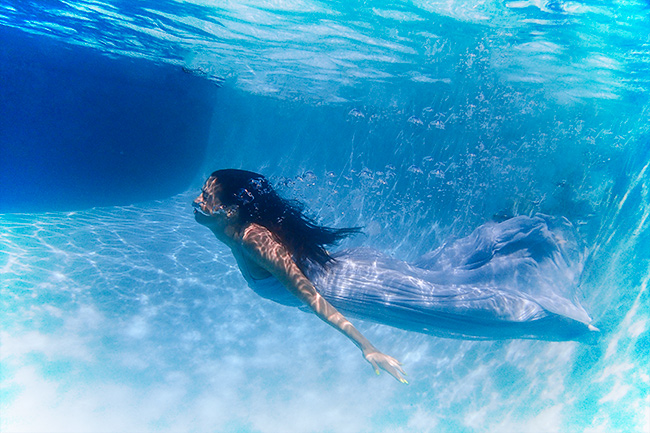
{"type": "Point", "coordinates": [513, 279]}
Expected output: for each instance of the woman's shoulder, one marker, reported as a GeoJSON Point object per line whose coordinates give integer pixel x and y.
{"type": "Point", "coordinates": [258, 241]}
{"type": "Point", "coordinates": [255, 233]}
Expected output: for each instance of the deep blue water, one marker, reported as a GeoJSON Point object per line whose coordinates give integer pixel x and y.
{"type": "Point", "coordinates": [417, 120]}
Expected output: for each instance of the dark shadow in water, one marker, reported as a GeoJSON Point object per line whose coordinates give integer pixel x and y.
{"type": "Point", "coordinates": [79, 129]}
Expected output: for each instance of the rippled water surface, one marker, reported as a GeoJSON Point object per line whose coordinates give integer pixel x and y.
{"type": "Point", "coordinates": [328, 49]}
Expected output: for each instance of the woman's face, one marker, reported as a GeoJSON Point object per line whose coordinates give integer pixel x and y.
{"type": "Point", "coordinates": [208, 209]}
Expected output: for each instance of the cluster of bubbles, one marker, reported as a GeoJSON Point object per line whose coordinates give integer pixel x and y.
{"type": "Point", "coordinates": [441, 164]}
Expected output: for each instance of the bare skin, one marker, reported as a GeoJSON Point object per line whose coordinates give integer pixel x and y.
{"type": "Point", "coordinates": [256, 249]}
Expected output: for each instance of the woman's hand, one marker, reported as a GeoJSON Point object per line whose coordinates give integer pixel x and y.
{"type": "Point", "coordinates": [387, 363]}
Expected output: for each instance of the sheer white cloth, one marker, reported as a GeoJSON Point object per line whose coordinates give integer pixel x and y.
{"type": "Point", "coordinates": [514, 279]}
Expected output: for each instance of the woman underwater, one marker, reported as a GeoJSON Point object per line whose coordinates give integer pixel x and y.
{"type": "Point", "coordinates": [513, 279]}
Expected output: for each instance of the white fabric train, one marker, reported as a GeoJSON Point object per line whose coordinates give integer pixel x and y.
{"type": "Point", "coordinates": [513, 279]}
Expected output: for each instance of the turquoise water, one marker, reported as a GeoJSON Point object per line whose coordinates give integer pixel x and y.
{"type": "Point", "coordinates": [418, 120]}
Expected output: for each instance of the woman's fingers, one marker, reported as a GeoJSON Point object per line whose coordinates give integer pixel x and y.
{"type": "Point", "coordinates": [388, 364]}
{"type": "Point", "coordinates": [395, 372]}
{"type": "Point", "coordinates": [397, 365]}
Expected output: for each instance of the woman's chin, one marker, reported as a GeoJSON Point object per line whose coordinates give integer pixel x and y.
{"type": "Point", "coordinates": [201, 218]}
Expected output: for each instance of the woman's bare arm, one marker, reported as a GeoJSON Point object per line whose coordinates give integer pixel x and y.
{"type": "Point", "coordinates": [270, 254]}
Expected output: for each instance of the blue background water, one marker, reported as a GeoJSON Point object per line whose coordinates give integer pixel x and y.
{"type": "Point", "coordinates": [418, 120]}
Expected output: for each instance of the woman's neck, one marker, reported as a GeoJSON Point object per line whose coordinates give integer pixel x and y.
{"type": "Point", "coordinates": [230, 235]}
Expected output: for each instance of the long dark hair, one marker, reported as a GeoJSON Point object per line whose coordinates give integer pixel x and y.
{"type": "Point", "coordinates": [259, 203]}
